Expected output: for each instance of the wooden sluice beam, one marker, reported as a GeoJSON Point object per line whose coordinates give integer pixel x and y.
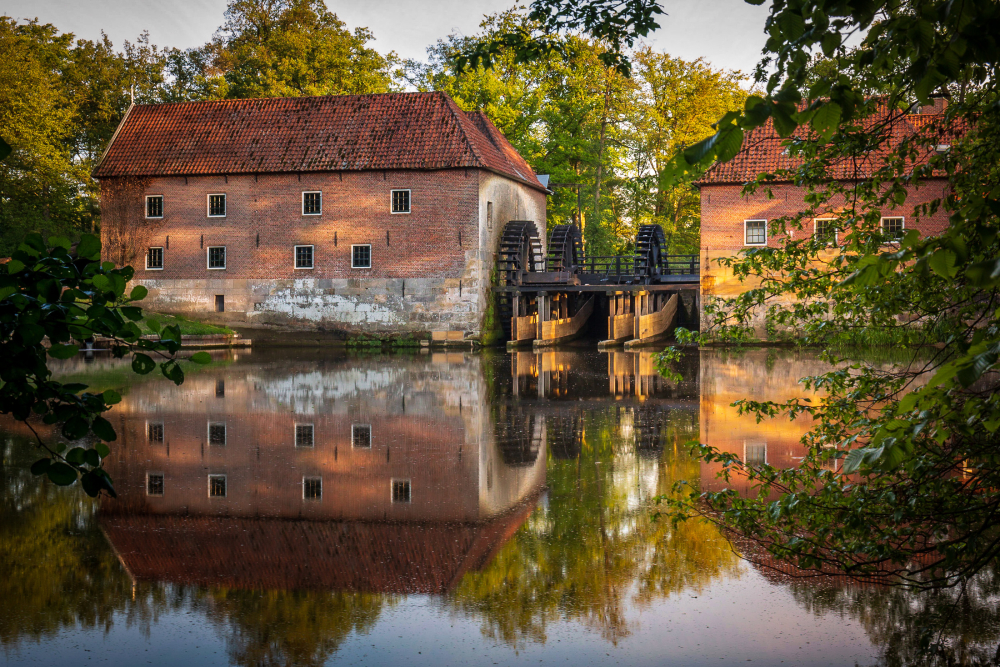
{"type": "Point", "coordinates": [655, 323]}
{"type": "Point", "coordinates": [565, 327]}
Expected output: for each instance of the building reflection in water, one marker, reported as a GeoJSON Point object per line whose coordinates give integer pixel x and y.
{"type": "Point", "coordinates": [345, 476]}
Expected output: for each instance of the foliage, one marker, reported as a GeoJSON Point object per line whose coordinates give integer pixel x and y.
{"type": "Point", "coordinates": [56, 294]}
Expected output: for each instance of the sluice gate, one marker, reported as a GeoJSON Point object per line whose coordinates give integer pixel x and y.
{"type": "Point", "coordinates": [553, 295]}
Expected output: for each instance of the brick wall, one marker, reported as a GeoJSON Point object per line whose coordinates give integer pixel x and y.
{"type": "Point", "coordinates": [724, 210]}
{"type": "Point", "coordinates": [427, 269]}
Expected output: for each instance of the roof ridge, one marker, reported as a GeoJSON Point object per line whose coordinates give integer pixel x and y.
{"type": "Point", "coordinates": [459, 116]}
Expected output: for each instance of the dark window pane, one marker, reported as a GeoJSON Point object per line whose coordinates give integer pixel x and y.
{"type": "Point", "coordinates": [220, 388]}
{"type": "Point", "coordinates": [216, 434]}
{"type": "Point", "coordinates": [312, 488]}
{"type": "Point", "coordinates": [154, 258]}
{"type": "Point", "coordinates": [361, 257]}
{"type": "Point", "coordinates": [400, 490]}
{"type": "Point", "coordinates": [400, 201]}
{"type": "Point", "coordinates": [217, 257]}
{"type": "Point", "coordinates": [826, 231]}
{"type": "Point", "coordinates": [312, 203]}
{"type": "Point", "coordinates": [154, 207]}
{"type": "Point", "coordinates": [220, 303]}
{"type": "Point", "coordinates": [361, 435]}
{"type": "Point", "coordinates": [217, 486]}
{"type": "Point", "coordinates": [756, 232]}
{"type": "Point", "coordinates": [892, 227]}
{"type": "Point", "coordinates": [154, 432]}
{"type": "Point", "coordinates": [304, 435]}
{"type": "Point", "coordinates": [217, 205]}
{"type": "Point", "coordinates": [154, 485]}
{"type": "Point", "coordinates": [303, 257]}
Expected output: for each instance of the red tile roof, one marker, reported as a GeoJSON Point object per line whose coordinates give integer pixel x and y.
{"type": "Point", "coordinates": [763, 150]}
{"type": "Point", "coordinates": [298, 134]}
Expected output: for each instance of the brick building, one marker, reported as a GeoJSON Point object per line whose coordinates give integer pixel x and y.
{"type": "Point", "coordinates": [370, 213]}
{"type": "Point", "coordinates": [732, 221]}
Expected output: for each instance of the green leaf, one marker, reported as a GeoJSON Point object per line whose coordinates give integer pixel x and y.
{"type": "Point", "coordinates": [31, 334]}
{"type": "Point", "coordinates": [40, 466]}
{"type": "Point", "coordinates": [826, 120]}
{"type": "Point", "coordinates": [6, 292]}
{"type": "Point", "coordinates": [61, 474]}
{"type": "Point", "coordinates": [102, 282]}
{"type": "Point", "coordinates": [111, 397]}
{"type": "Point", "coordinates": [154, 325]}
{"type": "Point", "coordinates": [75, 455]}
{"type": "Point", "coordinates": [63, 351]}
{"type": "Point", "coordinates": [131, 312]}
{"type": "Point", "coordinates": [201, 357]}
{"type": "Point", "coordinates": [5, 149]}
{"type": "Point", "coordinates": [75, 428]}
{"type": "Point", "coordinates": [942, 263]}
{"type": "Point", "coordinates": [139, 292]}
{"type": "Point", "coordinates": [142, 364]}
{"type": "Point", "coordinates": [60, 242]}
{"type": "Point", "coordinates": [89, 247]}
{"type": "Point", "coordinates": [92, 458]}
{"type": "Point", "coordinates": [15, 266]}
{"type": "Point", "coordinates": [103, 429]}
{"type": "Point", "coordinates": [102, 450]}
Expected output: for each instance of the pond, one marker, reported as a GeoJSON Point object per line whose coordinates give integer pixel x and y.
{"type": "Point", "coordinates": [302, 507]}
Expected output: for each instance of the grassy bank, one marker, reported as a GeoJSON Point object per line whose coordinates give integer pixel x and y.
{"type": "Point", "coordinates": [188, 327]}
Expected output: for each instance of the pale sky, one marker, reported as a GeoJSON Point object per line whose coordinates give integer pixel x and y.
{"type": "Point", "coordinates": [727, 33]}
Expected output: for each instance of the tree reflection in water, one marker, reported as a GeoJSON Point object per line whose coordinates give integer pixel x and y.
{"type": "Point", "coordinates": [590, 553]}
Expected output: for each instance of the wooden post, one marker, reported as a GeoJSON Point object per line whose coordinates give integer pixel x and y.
{"type": "Point", "coordinates": [544, 307]}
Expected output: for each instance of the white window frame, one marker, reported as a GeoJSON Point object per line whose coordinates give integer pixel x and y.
{"type": "Point", "coordinates": [409, 201]}
{"type": "Point", "coordinates": [312, 192]}
{"type": "Point", "coordinates": [208, 204]}
{"type": "Point", "coordinates": [151, 473]}
{"type": "Point", "coordinates": [208, 258]}
{"type": "Point", "coordinates": [370, 438]}
{"type": "Point", "coordinates": [163, 258]}
{"type": "Point", "coordinates": [225, 479]}
{"type": "Point", "coordinates": [881, 225]}
{"type": "Point", "coordinates": [361, 245]}
{"type": "Point", "coordinates": [208, 434]}
{"type": "Point", "coordinates": [295, 257]}
{"type": "Point", "coordinates": [836, 234]}
{"type": "Point", "coordinates": [754, 443]}
{"type": "Point", "coordinates": [154, 217]}
{"type": "Point", "coordinates": [306, 478]}
{"type": "Point", "coordinates": [163, 430]}
{"type": "Point", "coordinates": [392, 484]}
{"type": "Point", "coordinates": [754, 245]}
{"type": "Point", "coordinates": [295, 435]}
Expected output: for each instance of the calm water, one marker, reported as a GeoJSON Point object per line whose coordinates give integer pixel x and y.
{"type": "Point", "coordinates": [295, 507]}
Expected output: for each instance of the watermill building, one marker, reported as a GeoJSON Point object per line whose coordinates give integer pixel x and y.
{"type": "Point", "coordinates": [360, 214]}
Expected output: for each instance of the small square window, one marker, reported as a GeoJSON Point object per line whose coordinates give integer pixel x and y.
{"type": "Point", "coordinates": [312, 203]}
{"type": "Point", "coordinates": [216, 486]}
{"type": "Point", "coordinates": [216, 206]}
{"type": "Point", "coordinates": [312, 488]}
{"type": "Point", "coordinates": [304, 435]}
{"type": "Point", "coordinates": [893, 228]}
{"type": "Point", "coordinates": [400, 490]}
{"type": "Point", "coordinates": [154, 258]}
{"type": "Point", "coordinates": [154, 484]}
{"type": "Point", "coordinates": [154, 206]}
{"type": "Point", "coordinates": [220, 303]}
{"type": "Point", "coordinates": [361, 435]}
{"type": "Point", "coordinates": [756, 232]}
{"type": "Point", "coordinates": [217, 433]}
{"type": "Point", "coordinates": [217, 257]}
{"type": "Point", "coordinates": [361, 257]}
{"type": "Point", "coordinates": [303, 257]}
{"type": "Point", "coordinates": [755, 453]}
{"type": "Point", "coordinates": [400, 201]}
{"type": "Point", "coordinates": [154, 431]}
{"type": "Point", "coordinates": [826, 230]}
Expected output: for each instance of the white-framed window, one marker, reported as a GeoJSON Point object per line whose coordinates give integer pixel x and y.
{"type": "Point", "coordinates": [361, 435]}
{"type": "Point", "coordinates": [755, 232]}
{"type": "Point", "coordinates": [401, 491]}
{"type": "Point", "coordinates": [361, 256]}
{"type": "Point", "coordinates": [825, 229]}
{"type": "Point", "coordinates": [894, 227]}
{"type": "Point", "coordinates": [154, 432]}
{"type": "Point", "coordinates": [754, 453]}
{"type": "Point", "coordinates": [154, 483]}
{"type": "Point", "coordinates": [217, 486]}
{"type": "Point", "coordinates": [305, 435]}
{"type": "Point", "coordinates": [400, 201]}
{"type": "Point", "coordinates": [217, 206]}
{"type": "Point", "coordinates": [312, 488]}
{"type": "Point", "coordinates": [154, 259]}
{"type": "Point", "coordinates": [154, 206]}
{"type": "Point", "coordinates": [303, 257]}
{"type": "Point", "coordinates": [312, 203]}
{"type": "Point", "coordinates": [217, 433]}
{"type": "Point", "coordinates": [216, 255]}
